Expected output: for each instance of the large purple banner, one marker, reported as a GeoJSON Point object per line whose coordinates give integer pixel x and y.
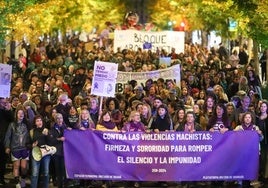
{"type": "Point", "coordinates": [167, 156]}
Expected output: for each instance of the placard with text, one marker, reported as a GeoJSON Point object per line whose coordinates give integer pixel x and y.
{"type": "Point", "coordinates": [167, 156]}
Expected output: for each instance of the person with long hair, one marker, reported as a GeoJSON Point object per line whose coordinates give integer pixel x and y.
{"type": "Point", "coordinates": [187, 99]}
{"type": "Point", "coordinates": [73, 117]}
{"type": "Point", "coordinates": [146, 115]}
{"type": "Point", "coordinates": [17, 143]}
{"type": "Point", "coordinates": [247, 124]}
{"type": "Point", "coordinates": [254, 82]}
{"type": "Point", "coordinates": [207, 111]}
{"type": "Point", "coordinates": [197, 112]}
{"type": "Point", "coordinates": [243, 84]}
{"type": "Point", "coordinates": [221, 96]}
{"type": "Point", "coordinates": [219, 120]}
{"type": "Point", "coordinates": [84, 121]}
{"type": "Point", "coordinates": [179, 119]}
{"type": "Point", "coordinates": [112, 105]}
{"type": "Point", "coordinates": [94, 109]}
{"type": "Point", "coordinates": [262, 122]}
{"type": "Point", "coordinates": [230, 108]}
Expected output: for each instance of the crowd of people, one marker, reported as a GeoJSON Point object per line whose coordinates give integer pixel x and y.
{"type": "Point", "coordinates": [50, 92]}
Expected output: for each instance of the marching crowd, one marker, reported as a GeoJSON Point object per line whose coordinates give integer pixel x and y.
{"type": "Point", "coordinates": [50, 92]}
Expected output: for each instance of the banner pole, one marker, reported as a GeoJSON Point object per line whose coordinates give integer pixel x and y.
{"type": "Point", "coordinates": [100, 107]}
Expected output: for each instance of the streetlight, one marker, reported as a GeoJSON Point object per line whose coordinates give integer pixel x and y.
{"type": "Point", "coordinates": [171, 24]}
{"type": "Point", "coordinates": [182, 26]}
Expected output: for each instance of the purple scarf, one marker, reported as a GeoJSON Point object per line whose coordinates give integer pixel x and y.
{"type": "Point", "coordinates": [136, 126]}
{"type": "Point", "coordinates": [94, 111]}
{"type": "Point", "coordinates": [108, 124]}
{"type": "Point", "coordinates": [250, 127]}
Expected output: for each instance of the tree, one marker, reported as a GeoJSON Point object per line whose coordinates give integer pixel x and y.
{"type": "Point", "coordinates": [53, 15]}
{"type": "Point", "coordinates": [8, 11]}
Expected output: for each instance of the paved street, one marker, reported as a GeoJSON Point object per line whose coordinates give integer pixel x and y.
{"type": "Point", "coordinates": [10, 184]}
{"type": "Point", "coordinates": [98, 184]}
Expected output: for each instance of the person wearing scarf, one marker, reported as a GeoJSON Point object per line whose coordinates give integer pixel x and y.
{"type": "Point", "coordinates": [105, 122]}
{"type": "Point", "coordinates": [85, 122]}
{"type": "Point", "coordinates": [190, 124]}
{"type": "Point", "coordinates": [57, 139]}
{"type": "Point", "coordinates": [134, 123]}
{"type": "Point", "coordinates": [247, 125]}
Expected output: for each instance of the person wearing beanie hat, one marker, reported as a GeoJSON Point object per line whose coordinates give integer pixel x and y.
{"type": "Point", "coordinates": [138, 94]}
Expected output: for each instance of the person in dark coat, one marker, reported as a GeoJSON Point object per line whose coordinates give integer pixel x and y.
{"type": "Point", "coordinates": [243, 57]}
{"type": "Point", "coordinates": [6, 117]}
{"type": "Point", "coordinates": [57, 132]}
{"type": "Point", "coordinates": [263, 62]}
{"type": "Point", "coordinates": [78, 81]}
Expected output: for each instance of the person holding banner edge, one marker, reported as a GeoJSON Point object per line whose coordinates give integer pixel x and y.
{"type": "Point", "coordinates": [134, 124]}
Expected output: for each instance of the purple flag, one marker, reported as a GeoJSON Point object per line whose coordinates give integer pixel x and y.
{"type": "Point", "coordinates": [167, 156]}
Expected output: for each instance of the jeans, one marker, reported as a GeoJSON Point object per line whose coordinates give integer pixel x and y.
{"type": "Point", "coordinates": [44, 162]}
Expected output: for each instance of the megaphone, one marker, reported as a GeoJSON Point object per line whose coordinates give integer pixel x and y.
{"type": "Point", "coordinates": [39, 152]}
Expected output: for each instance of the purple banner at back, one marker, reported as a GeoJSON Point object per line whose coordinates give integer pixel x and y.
{"type": "Point", "coordinates": [167, 156]}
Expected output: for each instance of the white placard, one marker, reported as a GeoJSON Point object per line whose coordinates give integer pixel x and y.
{"type": "Point", "coordinates": [133, 39]}
{"type": "Point", "coordinates": [173, 73]}
{"type": "Point", "coordinates": [5, 80]}
{"type": "Point", "coordinates": [104, 79]}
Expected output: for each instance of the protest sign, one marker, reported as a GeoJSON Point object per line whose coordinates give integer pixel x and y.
{"type": "Point", "coordinates": [134, 39]}
{"type": "Point", "coordinates": [173, 73]}
{"type": "Point", "coordinates": [167, 156]}
{"type": "Point", "coordinates": [104, 79]}
{"type": "Point", "coordinates": [5, 80]}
